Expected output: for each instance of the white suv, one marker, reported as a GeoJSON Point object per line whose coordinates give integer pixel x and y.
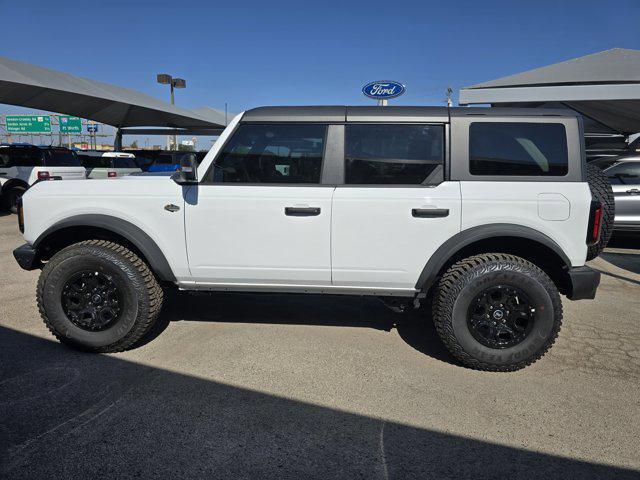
{"type": "Point", "coordinates": [483, 214]}
{"type": "Point", "coordinates": [21, 166]}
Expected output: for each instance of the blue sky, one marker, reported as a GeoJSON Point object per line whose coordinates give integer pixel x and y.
{"type": "Point", "coordinates": [295, 52]}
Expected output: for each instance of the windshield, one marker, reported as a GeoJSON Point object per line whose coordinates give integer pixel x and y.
{"type": "Point", "coordinates": [62, 158]}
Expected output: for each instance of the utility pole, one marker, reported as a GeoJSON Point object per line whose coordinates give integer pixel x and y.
{"type": "Point", "coordinates": [166, 79]}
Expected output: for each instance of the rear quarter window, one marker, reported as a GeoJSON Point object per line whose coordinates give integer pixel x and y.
{"type": "Point", "coordinates": [518, 149]}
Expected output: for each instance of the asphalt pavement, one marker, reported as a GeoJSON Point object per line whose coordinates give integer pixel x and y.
{"type": "Point", "coordinates": [274, 386]}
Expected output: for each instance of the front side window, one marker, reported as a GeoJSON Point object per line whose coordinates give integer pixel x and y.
{"type": "Point", "coordinates": [275, 153]}
{"type": "Point", "coordinates": [521, 149]}
{"type": "Point", "coordinates": [405, 154]}
{"type": "Point", "coordinates": [624, 173]}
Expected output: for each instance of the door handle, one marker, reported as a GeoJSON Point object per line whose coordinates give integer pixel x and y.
{"type": "Point", "coordinates": [633, 191]}
{"type": "Point", "coordinates": [429, 212]}
{"type": "Point", "coordinates": [171, 208]}
{"type": "Point", "coordinates": [302, 211]}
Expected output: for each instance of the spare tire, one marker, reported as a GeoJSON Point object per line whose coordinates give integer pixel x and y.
{"type": "Point", "coordinates": [601, 190]}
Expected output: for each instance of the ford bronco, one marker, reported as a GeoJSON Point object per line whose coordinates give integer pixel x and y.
{"type": "Point", "coordinates": [483, 216]}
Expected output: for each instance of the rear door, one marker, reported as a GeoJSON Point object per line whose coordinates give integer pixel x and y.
{"type": "Point", "coordinates": [261, 216]}
{"type": "Point", "coordinates": [394, 207]}
{"type": "Point", "coordinates": [625, 181]}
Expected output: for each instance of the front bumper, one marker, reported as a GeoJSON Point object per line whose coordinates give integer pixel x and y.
{"type": "Point", "coordinates": [583, 283]}
{"type": "Point", "coordinates": [27, 257]}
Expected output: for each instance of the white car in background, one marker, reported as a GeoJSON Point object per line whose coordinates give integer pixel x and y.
{"type": "Point", "coordinates": [108, 164]}
{"type": "Point", "coordinates": [22, 165]}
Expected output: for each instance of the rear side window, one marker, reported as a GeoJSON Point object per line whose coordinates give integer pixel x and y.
{"type": "Point", "coordinates": [275, 153]}
{"type": "Point", "coordinates": [394, 154]}
{"type": "Point", "coordinates": [62, 158]}
{"type": "Point", "coordinates": [124, 162]}
{"type": "Point", "coordinates": [89, 161]}
{"type": "Point", "coordinates": [520, 149]}
{"type": "Point", "coordinates": [624, 173]}
{"type": "Point", "coordinates": [24, 157]}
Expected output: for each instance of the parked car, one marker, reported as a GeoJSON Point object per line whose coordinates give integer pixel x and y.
{"type": "Point", "coordinates": [108, 164]}
{"type": "Point", "coordinates": [624, 176]}
{"type": "Point", "coordinates": [157, 161]}
{"type": "Point", "coordinates": [486, 214]}
{"type": "Point", "coordinates": [23, 165]}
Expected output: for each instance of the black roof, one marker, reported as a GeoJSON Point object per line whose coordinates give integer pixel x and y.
{"type": "Point", "coordinates": [387, 113]}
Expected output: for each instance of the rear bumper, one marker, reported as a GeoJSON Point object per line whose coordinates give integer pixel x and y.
{"type": "Point", "coordinates": [583, 283]}
{"type": "Point", "coordinates": [27, 257]}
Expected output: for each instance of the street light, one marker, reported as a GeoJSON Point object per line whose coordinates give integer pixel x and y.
{"type": "Point", "coordinates": [166, 79]}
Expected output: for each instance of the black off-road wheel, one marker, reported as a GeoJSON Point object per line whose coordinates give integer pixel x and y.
{"type": "Point", "coordinates": [98, 296]}
{"type": "Point", "coordinates": [496, 312]}
{"type": "Point", "coordinates": [601, 190]}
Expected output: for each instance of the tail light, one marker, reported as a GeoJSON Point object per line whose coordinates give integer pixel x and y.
{"type": "Point", "coordinates": [20, 215]}
{"type": "Point", "coordinates": [595, 222]}
{"type": "Point", "coordinates": [44, 175]}
{"type": "Point", "coordinates": [112, 174]}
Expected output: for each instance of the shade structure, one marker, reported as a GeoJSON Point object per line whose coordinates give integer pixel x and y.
{"type": "Point", "coordinates": [40, 88]}
{"type": "Point", "coordinates": [604, 87]}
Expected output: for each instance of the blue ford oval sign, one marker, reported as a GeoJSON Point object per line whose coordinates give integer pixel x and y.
{"type": "Point", "coordinates": [383, 89]}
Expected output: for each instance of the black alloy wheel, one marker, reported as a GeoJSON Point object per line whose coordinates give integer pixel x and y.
{"type": "Point", "coordinates": [91, 300]}
{"type": "Point", "coordinates": [501, 316]}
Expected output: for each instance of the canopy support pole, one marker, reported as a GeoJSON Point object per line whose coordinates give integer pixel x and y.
{"type": "Point", "coordinates": [117, 141]}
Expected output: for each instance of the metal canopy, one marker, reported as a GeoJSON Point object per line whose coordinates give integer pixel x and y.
{"type": "Point", "coordinates": [31, 86]}
{"type": "Point", "coordinates": [604, 87]}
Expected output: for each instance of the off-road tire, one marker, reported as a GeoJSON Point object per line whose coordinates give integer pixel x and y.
{"type": "Point", "coordinates": [601, 190]}
{"type": "Point", "coordinates": [458, 287]}
{"type": "Point", "coordinates": [142, 303]}
{"type": "Point", "coordinates": [11, 199]}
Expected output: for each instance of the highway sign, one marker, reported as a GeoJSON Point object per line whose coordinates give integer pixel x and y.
{"type": "Point", "coordinates": [70, 124]}
{"type": "Point", "coordinates": [28, 124]}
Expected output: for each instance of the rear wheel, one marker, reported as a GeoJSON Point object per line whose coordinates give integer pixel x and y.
{"type": "Point", "coordinates": [497, 312]}
{"type": "Point", "coordinates": [601, 191]}
{"type": "Point", "coordinates": [12, 197]}
{"type": "Point", "coordinates": [98, 296]}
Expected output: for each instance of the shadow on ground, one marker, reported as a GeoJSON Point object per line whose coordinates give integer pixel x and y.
{"type": "Point", "coordinates": [65, 414]}
{"type": "Point", "coordinates": [414, 327]}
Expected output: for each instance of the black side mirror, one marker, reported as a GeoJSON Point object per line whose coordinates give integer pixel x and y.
{"type": "Point", "coordinates": [188, 172]}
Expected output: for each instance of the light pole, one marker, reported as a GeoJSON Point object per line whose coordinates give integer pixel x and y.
{"type": "Point", "coordinates": [166, 79]}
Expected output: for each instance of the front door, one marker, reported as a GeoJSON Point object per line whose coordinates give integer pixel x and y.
{"type": "Point", "coordinates": [261, 215]}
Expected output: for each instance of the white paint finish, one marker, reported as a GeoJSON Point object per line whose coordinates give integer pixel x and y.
{"type": "Point", "coordinates": [517, 203]}
{"type": "Point", "coordinates": [376, 242]}
{"type": "Point", "coordinates": [240, 234]}
{"type": "Point", "coordinates": [138, 200]}
{"type": "Point", "coordinates": [554, 207]}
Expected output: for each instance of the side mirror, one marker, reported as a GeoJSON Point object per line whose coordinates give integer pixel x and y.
{"type": "Point", "coordinates": [188, 172]}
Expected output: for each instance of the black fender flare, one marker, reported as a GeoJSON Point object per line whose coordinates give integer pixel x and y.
{"type": "Point", "coordinates": [482, 232]}
{"type": "Point", "coordinates": [14, 182]}
{"type": "Point", "coordinates": [143, 242]}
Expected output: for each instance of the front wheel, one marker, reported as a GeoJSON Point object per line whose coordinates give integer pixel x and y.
{"type": "Point", "coordinates": [497, 312]}
{"type": "Point", "coordinates": [98, 296]}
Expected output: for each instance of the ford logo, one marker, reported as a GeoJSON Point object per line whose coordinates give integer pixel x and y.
{"type": "Point", "coordinates": [383, 89]}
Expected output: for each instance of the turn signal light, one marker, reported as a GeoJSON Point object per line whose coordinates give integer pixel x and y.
{"type": "Point", "coordinates": [112, 174]}
{"type": "Point", "coordinates": [44, 175]}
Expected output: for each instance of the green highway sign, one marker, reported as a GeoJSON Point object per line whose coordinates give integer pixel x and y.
{"type": "Point", "coordinates": [28, 124]}
{"type": "Point", "coordinates": [70, 124]}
